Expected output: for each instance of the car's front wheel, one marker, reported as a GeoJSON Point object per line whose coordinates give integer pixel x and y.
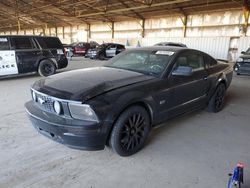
{"type": "Point", "coordinates": [130, 131]}
{"type": "Point", "coordinates": [217, 101]}
{"type": "Point", "coordinates": [46, 68]}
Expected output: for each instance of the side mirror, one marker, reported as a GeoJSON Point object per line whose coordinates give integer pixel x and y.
{"type": "Point", "coordinates": [243, 52]}
{"type": "Point", "coordinates": [183, 71]}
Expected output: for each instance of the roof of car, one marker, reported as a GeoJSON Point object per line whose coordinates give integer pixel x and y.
{"type": "Point", "coordinates": [109, 43]}
{"type": "Point", "coordinates": [165, 48]}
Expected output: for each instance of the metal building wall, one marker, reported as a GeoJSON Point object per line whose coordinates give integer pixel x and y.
{"type": "Point", "coordinates": [216, 46]}
{"type": "Point", "coordinates": [128, 29]}
{"type": "Point", "coordinates": [218, 33]}
{"type": "Point", "coordinates": [170, 26]}
{"type": "Point", "coordinates": [225, 23]}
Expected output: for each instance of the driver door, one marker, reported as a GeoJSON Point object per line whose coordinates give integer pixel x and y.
{"type": "Point", "coordinates": [111, 51]}
{"type": "Point", "coordinates": [8, 64]}
{"type": "Point", "coordinates": [183, 93]}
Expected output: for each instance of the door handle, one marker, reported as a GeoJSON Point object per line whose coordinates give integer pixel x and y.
{"type": "Point", "coordinates": [205, 78]}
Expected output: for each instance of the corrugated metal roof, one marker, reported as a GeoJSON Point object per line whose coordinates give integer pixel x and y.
{"type": "Point", "coordinates": [46, 13]}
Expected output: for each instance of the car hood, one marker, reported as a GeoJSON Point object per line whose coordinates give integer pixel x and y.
{"type": "Point", "coordinates": [84, 84]}
{"type": "Point", "coordinates": [246, 59]}
{"type": "Point", "coordinates": [245, 56]}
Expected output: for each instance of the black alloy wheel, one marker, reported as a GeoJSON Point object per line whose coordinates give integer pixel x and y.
{"type": "Point", "coordinates": [217, 101]}
{"type": "Point", "coordinates": [130, 131]}
{"type": "Point", "coordinates": [46, 68]}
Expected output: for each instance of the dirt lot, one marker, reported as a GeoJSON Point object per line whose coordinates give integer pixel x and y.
{"type": "Point", "coordinates": [197, 150]}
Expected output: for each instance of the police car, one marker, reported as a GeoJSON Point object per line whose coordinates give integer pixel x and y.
{"type": "Point", "coordinates": [28, 54]}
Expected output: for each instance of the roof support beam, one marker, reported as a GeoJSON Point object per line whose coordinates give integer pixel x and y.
{"type": "Point", "coordinates": [184, 22]}
{"type": "Point", "coordinates": [134, 8]}
{"type": "Point", "coordinates": [89, 32]}
{"type": "Point", "coordinates": [16, 13]}
{"type": "Point", "coordinates": [57, 5]}
{"type": "Point", "coordinates": [143, 28]}
{"type": "Point", "coordinates": [112, 29]}
{"type": "Point", "coordinates": [98, 9]}
{"type": "Point", "coordinates": [246, 18]}
{"type": "Point", "coordinates": [33, 15]}
{"type": "Point", "coordinates": [133, 11]}
{"type": "Point", "coordinates": [246, 5]}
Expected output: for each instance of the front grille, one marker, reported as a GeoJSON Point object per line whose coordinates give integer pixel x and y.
{"type": "Point", "coordinates": [247, 60]}
{"type": "Point", "coordinates": [45, 102]}
{"type": "Point", "coordinates": [245, 68]}
{"type": "Point", "coordinates": [245, 63]}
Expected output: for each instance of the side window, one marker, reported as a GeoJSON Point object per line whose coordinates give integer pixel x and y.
{"type": "Point", "coordinates": [182, 61]}
{"type": "Point", "coordinates": [120, 47]}
{"type": "Point", "coordinates": [113, 47]}
{"type": "Point", "coordinates": [109, 47]}
{"type": "Point", "coordinates": [22, 43]}
{"type": "Point", "coordinates": [194, 60]}
{"type": "Point", "coordinates": [211, 62]}
{"type": "Point", "coordinates": [4, 43]}
{"type": "Point", "coordinates": [49, 42]}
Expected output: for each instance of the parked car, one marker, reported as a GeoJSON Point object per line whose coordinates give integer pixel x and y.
{"type": "Point", "coordinates": [106, 50]}
{"type": "Point", "coordinates": [81, 48]}
{"type": "Point", "coordinates": [171, 44]}
{"type": "Point", "coordinates": [119, 103]}
{"type": "Point", "coordinates": [26, 54]}
{"type": "Point", "coordinates": [242, 65]}
{"type": "Point", "coordinates": [68, 50]}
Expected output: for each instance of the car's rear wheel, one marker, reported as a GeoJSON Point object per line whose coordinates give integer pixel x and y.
{"type": "Point", "coordinates": [130, 131]}
{"type": "Point", "coordinates": [101, 56]}
{"type": "Point", "coordinates": [217, 101]}
{"type": "Point", "coordinates": [46, 68]}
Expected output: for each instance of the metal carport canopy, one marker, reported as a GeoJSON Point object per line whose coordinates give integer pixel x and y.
{"type": "Point", "coordinates": [53, 13]}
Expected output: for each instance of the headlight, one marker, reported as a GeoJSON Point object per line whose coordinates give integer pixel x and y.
{"type": "Point", "coordinates": [34, 96]}
{"type": "Point", "coordinates": [240, 59]}
{"type": "Point", "coordinates": [82, 112]}
{"type": "Point", "coordinates": [57, 107]}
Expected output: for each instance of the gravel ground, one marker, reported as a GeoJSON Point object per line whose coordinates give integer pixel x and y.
{"type": "Point", "coordinates": [197, 150]}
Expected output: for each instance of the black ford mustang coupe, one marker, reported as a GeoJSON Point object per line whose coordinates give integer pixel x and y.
{"type": "Point", "coordinates": [119, 103]}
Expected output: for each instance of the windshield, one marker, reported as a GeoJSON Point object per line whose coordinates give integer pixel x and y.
{"type": "Point", "coordinates": [248, 51]}
{"type": "Point", "coordinates": [146, 62]}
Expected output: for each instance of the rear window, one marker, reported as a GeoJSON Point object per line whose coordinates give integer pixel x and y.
{"type": "Point", "coordinates": [82, 45]}
{"type": "Point", "coordinates": [49, 42]}
{"type": "Point", "coordinates": [120, 47]}
{"type": "Point", "coordinates": [4, 43]}
{"type": "Point", "coordinates": [22, 43]}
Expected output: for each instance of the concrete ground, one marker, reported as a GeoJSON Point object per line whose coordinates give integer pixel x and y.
{"type": "Point", "coordinates": [197, 150]}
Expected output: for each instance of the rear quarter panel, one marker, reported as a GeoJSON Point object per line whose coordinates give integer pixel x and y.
{"type": "Point", "coordinates": [221, 73]}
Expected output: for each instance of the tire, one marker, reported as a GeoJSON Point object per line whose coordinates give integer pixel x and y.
{"type": "Point", "coordinates": [217, 101]}
{"type": "Point", "coordinates": [46, 68]}
{"type": "Point", "coordinates": [130, 131]}
{"type": "Point", "coordinates": [101, 56]}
